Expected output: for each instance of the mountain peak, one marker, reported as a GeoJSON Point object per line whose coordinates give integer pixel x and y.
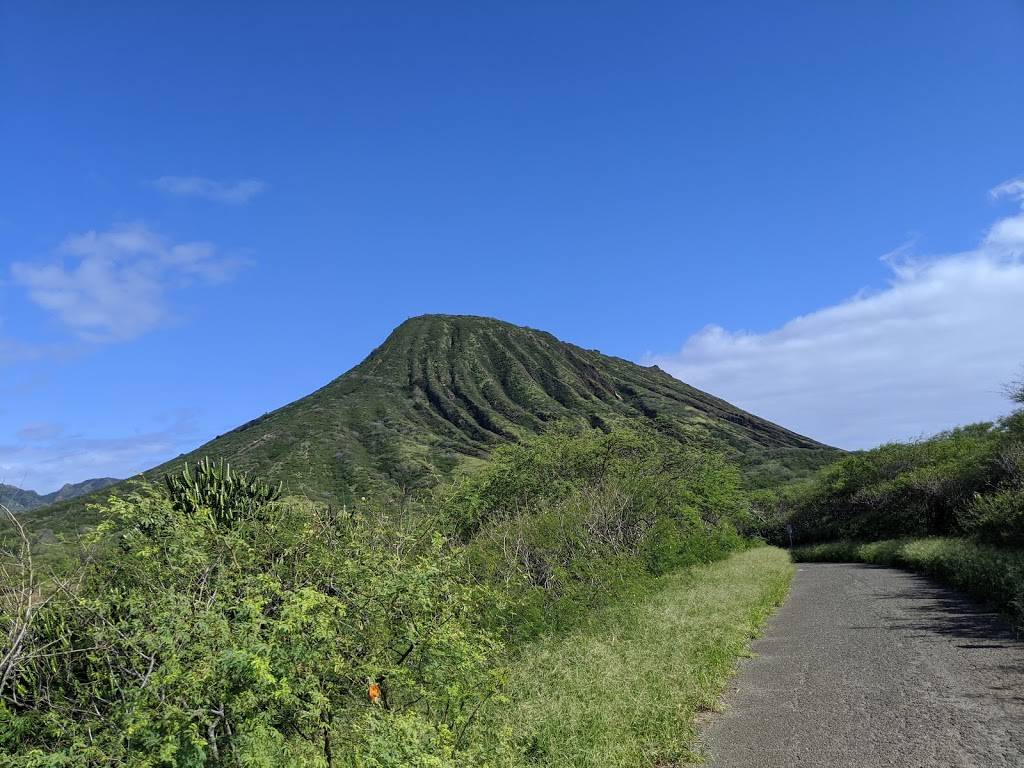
{"type": "Point", "coordinates": [443, 390]}
{"type": "Point", "coordinates": [450, 324]}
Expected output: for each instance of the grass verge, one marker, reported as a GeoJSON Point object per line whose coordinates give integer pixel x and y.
{"type": "Point", "coordinates": [623, 689]}
{"type": "Point", "coordinates": [992, 574]}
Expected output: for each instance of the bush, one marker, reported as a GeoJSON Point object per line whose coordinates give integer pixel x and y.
{"type": "Point", "coordinates": [655, 474]}
{"type": "Point", "coordinates": [215, 626]}
{"type": "Point", "coordinates": [297, 635]}
{"type": "Point", "coordinates": [997, 518]}
{"type": "Point", "coordinates": [562, 522]}
{"type": "Point", "coordinates": [965, 481]}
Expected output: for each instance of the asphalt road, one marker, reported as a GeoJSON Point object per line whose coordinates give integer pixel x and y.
{"type": "Point", "coordinates": [867, 666]}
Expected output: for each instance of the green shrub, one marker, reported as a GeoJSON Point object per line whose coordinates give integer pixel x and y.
{"type": "Point", "coordinates": [219, 625]}
{"type": "Point", "coordinates": [563, 522]}
{"type": "Point", "coordinates": [965, 481]}
{"type": "Point", "coordinates": [191, 643]}
{"type": "Point", "coordinates": [656, 475]}
{"type": "Point", "coordinates": [997, 518]}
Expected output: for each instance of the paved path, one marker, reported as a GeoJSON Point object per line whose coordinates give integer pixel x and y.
{"type": "Point", "coordinates": [866, 666]}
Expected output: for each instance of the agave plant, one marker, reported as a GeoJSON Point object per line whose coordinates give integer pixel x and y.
{"type": "Point", "coordinates": [213, 488]}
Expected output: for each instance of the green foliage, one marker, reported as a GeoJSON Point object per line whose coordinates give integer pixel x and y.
{"type": "Point", "coordinates": [218, 625]}
{"type": "Point", "coordinates": [655, 475]}
{"type": "Point", "coordinates": [992, 574]}
{"type": "Point", "coordinates": [563, 521]}
{"type": "Point", "coordinates": [191, 643]}
{"type": "Point", "coordinates": [771, 469]}
{"type": "Point", "coordinates": [967, 480]}
{"type": "Point", "coordinates": [996, 517]}
{"type": "Point", "coordinates": [212, 489]}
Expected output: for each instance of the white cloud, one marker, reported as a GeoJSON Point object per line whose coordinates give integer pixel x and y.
{"type": "Point", "coordinates": [45, 458]}
{"type": "Point", "coordinates": [1007, 235]}
{"type": "Point", "coordinates": [112, 286]}
{"type": "Point", "coordinates": [233, 193]}
{"type": "Point", "coordinates": [926, 353]}
{"type": "Point", "coordinates": [1011, 188]}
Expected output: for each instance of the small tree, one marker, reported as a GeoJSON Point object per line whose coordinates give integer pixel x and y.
{"type": "Point", "coordinates": [1015, 389]}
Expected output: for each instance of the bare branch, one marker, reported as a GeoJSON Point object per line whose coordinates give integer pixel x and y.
{"type": "Point", "coordinates": [17, 602]}
{"type": "Point", "coordinates": [1014, 389]}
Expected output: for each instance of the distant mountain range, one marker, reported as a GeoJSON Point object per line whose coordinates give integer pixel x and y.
{"type": "Point", "coordinates": [443, 390]}
{"type": "Point", "coordinates": [19, 500]}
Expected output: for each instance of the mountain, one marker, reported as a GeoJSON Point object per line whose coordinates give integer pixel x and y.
{"type": "Point", "coordinates": [19, 500]}
{"type": "Point", "coordinates": [443, 390]}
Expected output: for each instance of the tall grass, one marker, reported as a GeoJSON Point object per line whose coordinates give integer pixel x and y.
{"type": "Point", "coordinates": [623, 688]}
{"type": "Point", "coordinates": [992, 574]}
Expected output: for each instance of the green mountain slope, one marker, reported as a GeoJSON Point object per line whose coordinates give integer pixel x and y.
{"type": "Point", "coordinates": [443, 390]}
{"type": "Point", "coordinates": [19, 500]}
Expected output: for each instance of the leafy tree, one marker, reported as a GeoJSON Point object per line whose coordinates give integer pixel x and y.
{"type": "Point", "coordinates": [658, 475]}
{"type": "Point", "coordinates": [562, 521]}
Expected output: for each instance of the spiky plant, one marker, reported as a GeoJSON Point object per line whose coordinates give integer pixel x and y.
{"type": "Point", "coordinates": [213, 488]}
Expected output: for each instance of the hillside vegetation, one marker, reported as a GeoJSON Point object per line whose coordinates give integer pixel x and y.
{"type": "Point", "coordinates": [443, 391]}
{"type": "Point", "coordinates": [210, 625]}
{"type": "Point", "coordinates": [965, 482]}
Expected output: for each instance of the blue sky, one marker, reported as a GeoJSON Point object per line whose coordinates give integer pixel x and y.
{"type": "Point", "coordinates": [207, 212]}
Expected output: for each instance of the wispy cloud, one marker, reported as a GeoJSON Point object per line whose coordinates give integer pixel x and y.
{"type": "Point", "coordinates": [113, 285]}
{"type": "Point", "coordinates": [927, 352]}
{"type": "Point", "coordinates": [45, 456]}
{"type": "Point", "coordinates": [232, 193]}
{"type": "Point", "coordinates": [1012, 188]}
{"type": "Point", "coordinates": [39, 431]}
